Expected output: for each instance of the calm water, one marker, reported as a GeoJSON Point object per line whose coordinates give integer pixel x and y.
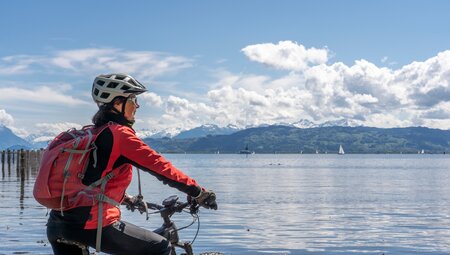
{"type": "Point", "coordinates": [283, 204]}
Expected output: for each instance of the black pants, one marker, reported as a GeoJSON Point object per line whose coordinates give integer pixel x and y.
{"type": "Point", "coordinates": [118, 238]}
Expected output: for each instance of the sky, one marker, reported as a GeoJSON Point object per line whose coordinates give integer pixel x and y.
{"type": "Point", "coordinates": [377, 63]}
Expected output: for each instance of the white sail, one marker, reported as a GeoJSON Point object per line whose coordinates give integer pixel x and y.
{"type": "Point", "coordinates": [341, 150]}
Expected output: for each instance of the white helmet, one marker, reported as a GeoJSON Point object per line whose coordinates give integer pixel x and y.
{"type": "Point", "coordinates": [106, 87]}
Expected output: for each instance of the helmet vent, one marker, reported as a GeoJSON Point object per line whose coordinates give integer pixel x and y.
{"type": "Point", "coordinates": [120, 77]}
{"type": "Point", "coordinates": [100, 82]}
{"type": "Point", "coordinates": [112, 85]}
{"type": "Point", "coordinates": [125, 87]}
{"type": "Point", "coordinates": [104, 95]}
{"type": "Point", "coordinates": [96, 92]}
{"type": "Point", "coordinates": [132, 82]}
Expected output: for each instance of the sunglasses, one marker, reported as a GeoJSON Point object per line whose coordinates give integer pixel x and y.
{"type": "Point", "coordinates": [134, 100]}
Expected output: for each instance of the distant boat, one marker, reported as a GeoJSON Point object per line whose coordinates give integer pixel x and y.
{"type": "Point", "coordinates": [341, 150]}
{"type": "Point", "coordinates": [246, 151]}
{"type": "Point", "coordinates": [421, 152]}
{"type": "Point", "coordinates": [317, 152]}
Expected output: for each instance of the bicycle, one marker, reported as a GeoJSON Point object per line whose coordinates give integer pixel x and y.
{"type": "Point", "coordinates": [169, 230]}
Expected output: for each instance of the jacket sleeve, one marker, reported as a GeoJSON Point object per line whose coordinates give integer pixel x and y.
{"type": "Point", "coordinates": [142, 156]}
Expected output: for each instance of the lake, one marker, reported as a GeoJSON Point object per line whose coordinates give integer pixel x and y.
{"type": "Point", "coordinates": [281, 204]}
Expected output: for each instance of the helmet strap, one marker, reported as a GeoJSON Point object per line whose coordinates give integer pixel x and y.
{"type": "Point", "coordinates": [123, 106]}
{"type": "Point", "coordinates": [122, 113]}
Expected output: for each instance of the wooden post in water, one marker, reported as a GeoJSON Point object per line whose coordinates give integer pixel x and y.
{"type": "Point", "coordinates": [23, 169]}
{"type": "Point", "coordinates": [27, 162]}
{"type": "Point", "coordinates": [8, 160]}
{"type": "Point", "coordinates": [22, 164]}
{"type": "Point", "coordinates": [8, 156]}
{"type": "Point", "coordinates": [3, 164]}
{"type": "Point", "coordinates": [18, 160]}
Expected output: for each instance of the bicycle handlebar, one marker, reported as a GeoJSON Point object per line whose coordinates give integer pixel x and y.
{"type": "Point", "coordinates": [170, 204]}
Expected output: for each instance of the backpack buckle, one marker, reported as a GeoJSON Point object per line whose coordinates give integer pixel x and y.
{"type": "Point", "coordinates": [80, 175]}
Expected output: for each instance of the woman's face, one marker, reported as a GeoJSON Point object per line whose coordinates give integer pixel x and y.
{"type": "Point", "coordinates": [131, 106]}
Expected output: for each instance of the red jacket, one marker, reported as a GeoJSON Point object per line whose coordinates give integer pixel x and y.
{"type": "Point", "coordinates": [125, 150]}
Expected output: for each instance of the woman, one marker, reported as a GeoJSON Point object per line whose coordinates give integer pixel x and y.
{"type": "Point", "coordinates": [118, 148]}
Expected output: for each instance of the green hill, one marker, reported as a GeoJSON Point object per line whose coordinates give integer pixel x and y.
{"type": "Point", "coordinates": [284, 139]}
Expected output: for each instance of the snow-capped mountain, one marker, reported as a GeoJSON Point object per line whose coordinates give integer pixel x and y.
{"type": "Point", "coordinates": [340, 123]}
{"type": "Point", "coordinates": [304, 123]}
{"type": "Point", "coordinates": [145, 132]}
{"type": "Point", "coordinates": [207, 129]}
{"type": "Point", "coordinates": [42, 138]}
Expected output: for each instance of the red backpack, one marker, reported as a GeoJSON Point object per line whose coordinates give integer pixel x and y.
{"type": "Point", "coordinates": [59, 181]}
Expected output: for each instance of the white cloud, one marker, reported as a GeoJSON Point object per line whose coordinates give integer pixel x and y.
{"type": "Point", "coordinates": [286, 55]}
{"type": "Point", "coordinates": [43, 94]}
{"type": "Point", "coordinates": [416, 94]}
{"type": "Point", "coordinates": [144, 64]}
{"type": "Point", "coordinates": [5, 118]}
{"type": "Point", "coordinates": [55, 128]}
{"type": "Point", "coordinates": [151, 99]}
{"type": "Point", "coordinates": [17, 64]}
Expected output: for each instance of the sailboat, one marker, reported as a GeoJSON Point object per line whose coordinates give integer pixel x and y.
{"type": "Point", "coordinates": [246, 151]}
{"type": "Point", "coordinates": [341, 150]}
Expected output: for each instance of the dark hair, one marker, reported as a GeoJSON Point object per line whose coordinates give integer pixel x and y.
{"type": "Point", "coordinates": [107, 113]}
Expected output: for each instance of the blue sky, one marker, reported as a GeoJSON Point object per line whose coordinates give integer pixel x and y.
{"type": "Point", "coordinates": [378, 63]}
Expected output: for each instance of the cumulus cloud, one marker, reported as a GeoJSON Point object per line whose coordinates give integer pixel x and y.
{"type": "Point", "coordinates": [151, 99]}
{"type": "Point", "coordinates": [286, 55]}
{"type": "Point", "coordinates": [414, 94]}
{"type": "Point", "coordinates": [5, 118]}
{"type": "Point", "coordinates": [180, 112]}
{"type": "Point", "coordinates": [417, 94]}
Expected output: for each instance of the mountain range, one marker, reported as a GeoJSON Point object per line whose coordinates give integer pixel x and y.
{"type": "Point", "coordinates": [8, 140]}
{"type": "Point", "coordinates": [212, 129]}
{"type": "Point", "coordinates": [302, 136]}
{"type": "Point", "coordinates": [287, 139]}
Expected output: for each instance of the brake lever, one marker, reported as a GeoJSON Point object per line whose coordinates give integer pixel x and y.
{"type": "Point", "coordinates": [142, 206]}
{"type": "Point", "coordinates": [193, 209]}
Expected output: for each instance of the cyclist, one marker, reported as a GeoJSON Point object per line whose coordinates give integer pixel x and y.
{"type": "Point", "coordinates": [118, 147]}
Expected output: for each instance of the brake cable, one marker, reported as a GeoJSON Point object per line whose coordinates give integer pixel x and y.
{"type": "Point", "coordinates": [198, 228]}
{"type": "Point", "coordinates": [194, 215]}
{"type": "Point", "coordinates": [195, 218]}
{"type": "Point", "coordinates": [140, 197]}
